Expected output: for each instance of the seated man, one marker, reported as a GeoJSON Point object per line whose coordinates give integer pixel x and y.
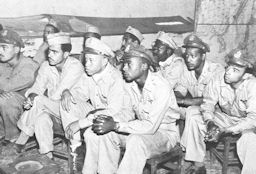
{"type": "Point", "coordinates": [41, 54]}
{"type": "Point", "coordinates": [16, 75]}
{"type": "Point", "coordinates": [60, 72]}
{"type": "Point", "coordinates": [171, 65]}
{"type": "Point", "coordinates": [189, 94]}
{"type": "Point", "coordinates": [90, 31]}
{"type": "Point", "coordinates": [153, 132]}
{"type": "Point", "coordinates": [131, 38]}
{"type": "Point", "coordinates": [234, 93]}
{"type": "Point", "coordinates": [103, 85]}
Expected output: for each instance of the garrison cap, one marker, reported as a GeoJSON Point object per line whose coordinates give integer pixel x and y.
{"type": "Point", "coordinates": [193, 41]}
{"type": "Point", "coordinates": [167, 39]}
{"type": "Point", "coordinates": [135, 32]}
{"type": "Point", "coordinates": [11, 37]}
{"type": "Point", "coordinates": [58, 38]}
{"type": "Point", "coordinates": [92, 29]}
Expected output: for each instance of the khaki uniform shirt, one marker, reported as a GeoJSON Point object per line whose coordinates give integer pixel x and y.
{"type": "Point", "coordinates": [189, 82]}
{"type": "Point", "coordinates": [55, 83]}
{"type": "Point", "coordinates": [18, 78]}
{"type": "Point", "coordinates": [155, 107]}
{"type": "Point", "coordinates": [105, 91]}
{"type": "Point", "coordinates": [239, 103]}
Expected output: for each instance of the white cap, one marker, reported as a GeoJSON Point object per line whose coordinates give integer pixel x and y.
{"type": "Point", "coordinates": [58, 38]}
{"type": "Point", "coordinates": [167, 39]}
{"type": "Point", "coordinates": [135, 32]}
{"type": "Point", "coordinates": [53, 23]}
{"type": "Point", "coordinates": [96, 46]}
{"type": "Point", "coordinates": [92, 29]}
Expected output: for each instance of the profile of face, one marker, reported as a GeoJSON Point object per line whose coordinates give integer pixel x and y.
{"type": "Point", "coordinates": [94, 63]}
{"type": "Point", "coordinates": [56, 55]}
{"type": "Point", "coordinates": [48, 30]}
{"type": "Point", "coordinates": [193, 58]}
{"type": "Point", "coordinates": [8, 52]}
{"type": "Point", "coordinates": [127, 40]}
{"type": "Point", "coordinates": [132, 69]}
{"type": "Point", "coordinates": [161, 51]}
{"type": "Point", "coordinates": [234, 73]}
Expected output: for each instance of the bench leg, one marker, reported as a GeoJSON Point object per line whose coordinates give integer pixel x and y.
{"type": "Point", "coordinates": [226, 156]}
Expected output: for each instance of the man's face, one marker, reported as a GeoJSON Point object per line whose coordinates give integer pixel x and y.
{"type": "Point", "coordinates": [160, 51]}
{"type": "Point", "coordinates": [234, 73]}
{"type": "Point", "coordinates": [127, 40]}
{"type": "Point", "coordinates": [55, 55]}
{"type": "Point", "coordinates": [7, 52]}
{"type": "Point", "coordinates": [193, 58]}
{"type": "Point", "coordinates": [132, 69]}
{"type": "Point", "coordinates": [94, 63]}
{"type": "Point", "coordinates": [47, 30]}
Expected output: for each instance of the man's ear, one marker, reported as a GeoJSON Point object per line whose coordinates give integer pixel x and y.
{"type": "Point", "coordinates": [16, 49]}
{"type": "Point", "coordinates": [66, 54]}
{"type": "Point", "coordinates": [144, 66]}
{"type": "Point", "coordinates": [136, 43]}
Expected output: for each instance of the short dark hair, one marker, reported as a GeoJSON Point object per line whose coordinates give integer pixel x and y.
{"type": "Point", "coordinates": [66, 47]}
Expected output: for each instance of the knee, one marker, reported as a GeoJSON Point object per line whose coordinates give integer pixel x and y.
{"type": "Point", "coordinates": [135, 141]}
{"type": "Point", "coordinates": [89, 135]}
{"type": "Point", "coordinates": [43, 120]}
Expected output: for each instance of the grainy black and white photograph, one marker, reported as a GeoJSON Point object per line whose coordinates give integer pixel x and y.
{"type": "Point", "coordinates": [127, 87]}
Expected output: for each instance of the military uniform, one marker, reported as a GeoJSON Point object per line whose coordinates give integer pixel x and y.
{"type": "Point", "coordinates": [173, 67]}
{"type": "Point", "coordinates": [236, 112]}
{"type": "Point", "coordinates": [196, 87]}
{"type": "Point", "coordinates": [44, 113]}
{"type": "Point", "coordinates": [14, 80]}
{"type": "Point", "coordinates": [153, 132]}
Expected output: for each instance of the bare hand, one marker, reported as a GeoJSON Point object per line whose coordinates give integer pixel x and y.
{"type": "Point", "coordinates": [28, 103]}
{"type": "Point", "coordinates": [71, 129]}
{"type": "Point", "coordinates": [213, 132]}
{"type": "Point", "coordinates": [103, 124]}
{"type": "Point", "coordinates": [66, 100]}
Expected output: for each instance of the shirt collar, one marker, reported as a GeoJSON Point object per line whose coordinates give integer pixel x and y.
{"type": "Point", "coordinates": [167, 62]}
{"type": "Point", "coordinates": [147, 85]}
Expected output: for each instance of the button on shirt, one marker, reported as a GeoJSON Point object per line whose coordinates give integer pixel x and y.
{"type": "Point", "coordinates": [240, 103]}
{"type": "Point", "coordinates": [189, 82]}
{"type": "Point", "coordinates": [172, 69]}
{"type": "Point", "coordinates": [106, 91]}
{"type": "Point", "coordinates": [50, 79]}
{"type": "Point", "coordinates": [155, 107]}
{"type": "Point", "coordinates": [19, 77]}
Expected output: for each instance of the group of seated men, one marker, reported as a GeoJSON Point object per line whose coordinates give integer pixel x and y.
{"type": "Point", "coordinates": [130, 98]}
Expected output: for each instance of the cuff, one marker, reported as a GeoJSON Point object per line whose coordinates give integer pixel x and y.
{"type": "Point", "coordinates": [83, 123]}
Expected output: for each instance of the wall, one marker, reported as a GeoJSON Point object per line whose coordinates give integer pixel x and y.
{"type": "Point", "coordinates": [225, 24]}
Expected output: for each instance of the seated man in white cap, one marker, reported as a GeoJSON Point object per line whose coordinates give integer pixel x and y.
{"type": "Point", "coordinates": [41, 54]}
{"type": "Point", "coordinates": [60, 72]}
{"type": "Point", "coordinates": [131, 38]}
{"type": "Point", "coordinates": [90, 31]}
{"type": "Point", "coordinates": [171, 65]}
{"type": "Point", "coordinates": [17, 74]}
{"type": "Point", "coordinates": [103, 85]}
{"type": "Point", "coordinates": [154, 130]}
{"type": "Point", "coordinates": [234, 93]}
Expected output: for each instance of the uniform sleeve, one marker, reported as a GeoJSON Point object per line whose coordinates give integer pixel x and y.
{"type": "Point", "coordinates": [39, 85]}
{"type": "Point", "coordinates": [174, 73]}
{"type": "Point", "coordinates": [249, 122]}
{"type": "Point", "coordinates": [210, 99]}
{"type": "Point", "coordinates": [23, 79]}
{"type": "Point", "coordinates": [154, 114]}
{"type": "Point", "coordinates": [69, 77]}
